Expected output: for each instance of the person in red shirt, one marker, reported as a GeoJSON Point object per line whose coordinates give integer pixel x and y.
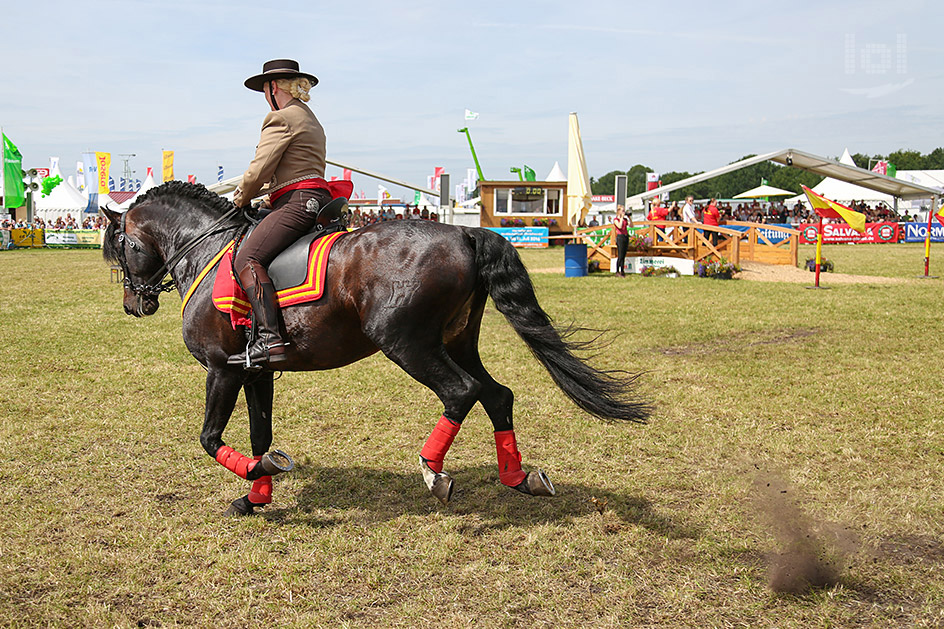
{"type": "Point", "coordinates": [656, 211]}
{"type": "Point", "coordinates": [711, 217]}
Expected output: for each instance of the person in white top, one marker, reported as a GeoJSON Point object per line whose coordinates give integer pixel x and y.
{"type": "Point", "coordinates": [688, 210]}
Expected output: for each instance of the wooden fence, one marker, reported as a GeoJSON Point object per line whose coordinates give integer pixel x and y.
{"type": "Point", "coordinates": [697, 242]}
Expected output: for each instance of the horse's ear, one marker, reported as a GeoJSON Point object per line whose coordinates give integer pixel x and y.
{"type": "Point", "coordinates": [114, 217]}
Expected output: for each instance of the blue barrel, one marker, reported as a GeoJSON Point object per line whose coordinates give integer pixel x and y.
{"type": "Point", "coordinates": [575, 260]}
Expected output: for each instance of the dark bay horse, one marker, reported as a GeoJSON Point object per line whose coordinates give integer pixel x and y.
{"type": "Point", "coordinates": [414, 290]}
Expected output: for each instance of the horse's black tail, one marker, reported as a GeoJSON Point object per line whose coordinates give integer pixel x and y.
{"type": "Point", "coordinates": [605, 394]}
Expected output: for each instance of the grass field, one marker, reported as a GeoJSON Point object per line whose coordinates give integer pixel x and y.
{"type": "Point", "coordinates": [796, 433]}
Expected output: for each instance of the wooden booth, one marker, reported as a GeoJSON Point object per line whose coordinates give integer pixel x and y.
{"type": "Point", "coordinates": [526, 204]}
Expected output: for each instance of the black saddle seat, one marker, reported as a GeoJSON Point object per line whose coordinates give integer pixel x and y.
{"type": "Point", "coordinates": [290, 267]}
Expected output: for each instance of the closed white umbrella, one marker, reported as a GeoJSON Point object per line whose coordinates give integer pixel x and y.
{"type": "Point", "coordinates": [579, 198]}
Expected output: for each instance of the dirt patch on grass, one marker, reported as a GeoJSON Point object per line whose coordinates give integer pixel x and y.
{"type": "Point", "coordinates": [760, 272]}
{"type": "Point", "coordinates": [777, 336]}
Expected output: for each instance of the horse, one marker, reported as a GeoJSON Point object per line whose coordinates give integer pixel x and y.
{"type": "Point", "coordinates": [415, 290]}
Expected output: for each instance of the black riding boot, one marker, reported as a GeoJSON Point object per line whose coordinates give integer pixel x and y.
{"type": "Point", "coordinates": [267, 346]}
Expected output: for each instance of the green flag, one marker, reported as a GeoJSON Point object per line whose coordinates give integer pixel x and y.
{"type": "Point", "coordinates": [416, 197]}
{"type": "Point", "coordinates": [528, 173]}
{"type": "Point", "coordinates": [891, 171]}
{"type": "Point", "coordinates": [14, 192]}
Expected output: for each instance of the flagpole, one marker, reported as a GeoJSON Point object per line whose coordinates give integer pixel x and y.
{"type": "Point", "coordinates": [819, 249]}
{"type": "Point", "coordinates": [927, 245]}
{"type": "Point", "coordinates": [3, 208]}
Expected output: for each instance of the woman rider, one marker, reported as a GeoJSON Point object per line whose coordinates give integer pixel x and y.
{"type": "Point", "coordinates": [290, 165]}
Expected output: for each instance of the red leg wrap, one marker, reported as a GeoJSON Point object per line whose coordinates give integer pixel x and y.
{"type": "Point", "coordinates": [438, 443]}
{"type": "Point", "coordinates": [261, 492]}
{"type": "Point", "coordinates": [238, 464]}
{"type": "Point", "coordinates": [509, 459]}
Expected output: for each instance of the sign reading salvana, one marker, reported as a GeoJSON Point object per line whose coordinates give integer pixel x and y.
{"type": "Point", "coordinates": [840, 232]}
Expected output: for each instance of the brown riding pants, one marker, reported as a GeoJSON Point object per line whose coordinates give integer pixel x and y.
{"type": "Point", "coordinates": [289, 221]}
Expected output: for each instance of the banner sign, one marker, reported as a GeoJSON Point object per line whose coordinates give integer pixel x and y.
{"type": "Point", "coordinates": [73, 238]}
{"type": "Point", "coordinates": [916, 232]}
{"type": "Point", "coordinates": [524, 236]}
{"type": "Point", "coordinates": [770, 232]}
{"type": "Point", "coordinates": [634, 264]}
{"type": "Point", "coordinates": [834, 233]}
{"type": "Point", "coordinates": [103, 161]}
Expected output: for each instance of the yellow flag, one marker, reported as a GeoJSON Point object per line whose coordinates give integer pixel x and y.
{"type": "Point", "coordinates": [103, 160]}
{"type": "Point", "coordinates": [168, 166]}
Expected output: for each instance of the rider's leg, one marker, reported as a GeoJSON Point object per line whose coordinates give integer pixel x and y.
{"type": "Point", "coordinates": [289, 222]}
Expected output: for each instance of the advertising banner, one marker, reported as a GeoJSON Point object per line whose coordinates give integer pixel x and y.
{"type": "Point", "coordinates": [26, 237]}
{"type": "Point", "coordinates": [167, 166]}
{"type": "Point", "coordinates": [103, 161]}
{"type": "Point", "coordinates": [770, 232]}
{"type": "Point", "coordinates": [834, 233]}
{"type": "Point", "coordinates": [635, 264]}
{"type": "Point", "coordinates": [915, 232]}
{"type": "Point", "coordinates": [90, 238]}
{"type": "Point", "coordinates": [524, 236]}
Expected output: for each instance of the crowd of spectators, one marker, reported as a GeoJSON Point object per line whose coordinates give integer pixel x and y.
{"type": "Point", "coordinates": [779, 212]}
{"type": "Point", "coordinates": [66, 222]}
{"type": "Point", "coordinates": [362, 217]}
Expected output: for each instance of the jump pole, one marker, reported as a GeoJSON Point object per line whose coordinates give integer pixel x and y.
{"type": "Point", "coordinates": [819, 252]}
{"type": "Point", "coordinates": [927, 242]}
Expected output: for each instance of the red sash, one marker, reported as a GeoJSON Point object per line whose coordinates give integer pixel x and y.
{"type": "Point", "coordinates": [337, 188]}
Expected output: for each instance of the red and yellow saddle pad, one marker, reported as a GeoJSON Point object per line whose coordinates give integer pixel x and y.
{"type": "Point", "coordinates": [229, 298]}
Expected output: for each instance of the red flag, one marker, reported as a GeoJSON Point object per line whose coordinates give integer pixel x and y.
{"type": "Point", "coordinates": [191, 179]}
{"type": "Point", "coordinates": [346, 174]}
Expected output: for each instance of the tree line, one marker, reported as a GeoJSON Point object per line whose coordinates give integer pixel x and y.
{"type": "Point", "coordinates": [730, 184]}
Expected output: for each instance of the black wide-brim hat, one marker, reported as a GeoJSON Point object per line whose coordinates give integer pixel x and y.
{"type": "Point", "coordinates": [278, 69]}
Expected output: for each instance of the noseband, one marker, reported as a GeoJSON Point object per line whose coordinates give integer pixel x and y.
{"type": "Point", "coordinates": [155, 285]}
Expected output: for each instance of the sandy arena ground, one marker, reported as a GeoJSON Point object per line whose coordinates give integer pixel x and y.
{"type": "Point", "coordinates": [759, 272]}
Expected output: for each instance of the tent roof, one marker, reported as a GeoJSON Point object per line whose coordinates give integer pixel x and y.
{"type": "Point", "coordinates": [63, 197]}
{"type": "Point", "coordinates": [763, 191]}
{"type": "Point", "coordinates": [556, 174]}
{"type": "Point", "coordinates": [812, 163]}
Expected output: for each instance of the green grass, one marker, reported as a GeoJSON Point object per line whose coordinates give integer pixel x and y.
{"type": "Point", "coordinates": [113, 509]}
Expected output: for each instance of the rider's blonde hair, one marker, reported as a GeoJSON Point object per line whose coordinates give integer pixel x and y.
{"type": "Point", "coordinates": [297, 87]}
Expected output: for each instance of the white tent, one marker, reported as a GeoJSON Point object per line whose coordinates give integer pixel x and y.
{"type": "Point", "coordinates": [556, 174]}
{"type": "Point", "coordinates": [147, 185]}
{"type": "Point", "coordinates": [62, 200]}
{"type": "Point", "coordinates": [844, 192]}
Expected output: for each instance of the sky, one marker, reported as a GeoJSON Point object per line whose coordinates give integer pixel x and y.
{"type": "Point", "coordinates": [677, 86]}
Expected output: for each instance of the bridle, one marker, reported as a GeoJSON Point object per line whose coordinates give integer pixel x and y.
{"type": "Point", "coordinates": [155, 285]}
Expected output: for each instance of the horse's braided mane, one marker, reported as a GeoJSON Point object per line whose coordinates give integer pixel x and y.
{"type": "Point", "coordinates": [171, 189]}
{"type": "Point", "coordinates": [194, 191]}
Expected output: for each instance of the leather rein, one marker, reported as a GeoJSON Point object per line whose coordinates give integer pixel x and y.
{"type": "Point", "coordinates": [155, 285]}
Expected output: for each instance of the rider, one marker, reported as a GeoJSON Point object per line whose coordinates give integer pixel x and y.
{"type": "Point", "coordinates": [290, 159]}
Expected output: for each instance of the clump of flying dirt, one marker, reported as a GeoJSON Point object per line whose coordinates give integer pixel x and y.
{"type": "Point", "coordinates": [809, 554]}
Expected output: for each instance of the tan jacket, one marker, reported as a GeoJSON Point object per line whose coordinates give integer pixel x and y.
{"type": "Point", "coordinates": [291, 147]}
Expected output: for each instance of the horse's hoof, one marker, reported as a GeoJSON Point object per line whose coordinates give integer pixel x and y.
{"type": "Point", "coordinates": [536, 483]}
{"type": "Point", "coordinates": [276, 462]}
{"type": "Point", "coordinates": [440, 484]}
{"type": "Point", "coordinates": [239, 507]}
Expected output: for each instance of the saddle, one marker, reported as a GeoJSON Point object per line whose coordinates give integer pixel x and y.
{"type": "Point", "coordinates": [298, 273]}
